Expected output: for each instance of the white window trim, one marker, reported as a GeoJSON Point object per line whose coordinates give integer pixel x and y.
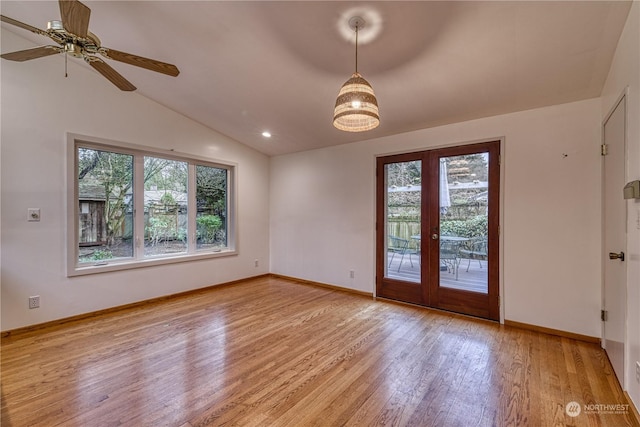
{"type": "Point", "coordinates": [72, 214]}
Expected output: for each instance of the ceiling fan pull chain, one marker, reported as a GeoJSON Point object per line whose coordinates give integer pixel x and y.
{"type": "Point", "coordinates": [65, 64]}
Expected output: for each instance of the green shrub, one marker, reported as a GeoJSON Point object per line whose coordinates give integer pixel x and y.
{"type": "Point", "coordinates": [167, 199]}
{"type": "Point", "coordinates": [208, 225]}
{"type": "Point", "coordinates": [159, 228]}
{"type": "Point", "coordinates": [472, 227]}
{"type": "Point", "coordinates": [101, 254]}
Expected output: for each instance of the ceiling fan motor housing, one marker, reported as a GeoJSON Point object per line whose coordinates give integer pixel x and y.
{"type": "Point", "coordinates": [74, 49]}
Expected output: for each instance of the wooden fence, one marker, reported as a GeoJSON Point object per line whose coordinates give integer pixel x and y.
{"type": "Point", "coordinates": [404, 227]}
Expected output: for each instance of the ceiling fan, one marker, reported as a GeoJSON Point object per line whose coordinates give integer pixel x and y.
{"type": "Point", "coordinates": [74, 38]}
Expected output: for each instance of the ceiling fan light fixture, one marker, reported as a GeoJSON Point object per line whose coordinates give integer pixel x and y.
{"type": "Point", "coordinates": [356, 107]}
{"type": "Point", "coordinates": [55, 26]}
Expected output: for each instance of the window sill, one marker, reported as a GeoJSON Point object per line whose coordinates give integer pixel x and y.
{"type": "Point", "coordinates": [120, 265]}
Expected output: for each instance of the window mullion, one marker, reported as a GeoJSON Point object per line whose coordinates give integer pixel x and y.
{"type": "Point", "coordinates": [138, 207]}
{"type": "Point", "coordinates": [192, 209]}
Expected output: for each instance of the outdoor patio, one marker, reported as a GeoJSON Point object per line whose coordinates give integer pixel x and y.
{"type": "Point", "coordinates": [473, 280]}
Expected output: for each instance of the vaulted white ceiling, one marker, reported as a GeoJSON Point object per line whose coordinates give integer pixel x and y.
{"type": "Point", "coordinates": [250, 66]}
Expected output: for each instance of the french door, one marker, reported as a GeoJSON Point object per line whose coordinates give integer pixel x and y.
{"type": "Point", "coordinates": [437, 228]}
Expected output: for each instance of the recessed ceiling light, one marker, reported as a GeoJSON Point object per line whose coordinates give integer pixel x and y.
{"type": "Point", "coordinates": [266, 134]}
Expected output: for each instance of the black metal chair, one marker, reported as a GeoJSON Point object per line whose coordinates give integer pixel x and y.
{"type": "Point", "coordinates": [400, 246]}
{"type": "Point", "coordinates": [449, 255]}
{"type": "Point", "coordinates": [475, 249]}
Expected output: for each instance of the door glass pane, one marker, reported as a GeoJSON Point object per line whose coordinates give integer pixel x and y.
{"type": "Point", "coordinates": [105, 206]}
{"type": "Point", "coordinates": [165, 206]}
{"type": "Point", "coordinates": [464, 189]}
{"type": "Point", "coordinates": [403, 183]}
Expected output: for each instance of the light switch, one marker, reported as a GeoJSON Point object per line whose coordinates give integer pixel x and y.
{"type": "Point", "coordinates": [33, 214]}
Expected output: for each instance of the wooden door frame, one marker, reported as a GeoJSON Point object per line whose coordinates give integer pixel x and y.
{"type": "Point", "coordinates": [433, 295]}
{"type": "Point", "coordinates": [454, 299]}
{"type": "Point", "coordinates": [407, 292]}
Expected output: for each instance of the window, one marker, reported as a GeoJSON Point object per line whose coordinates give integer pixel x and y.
{"type": "Point", "coordinates": [211, 202]}
{"type": "Point", "coordinates": [130, 207]}
{"type": "Point", "coordinates": [165, 206]}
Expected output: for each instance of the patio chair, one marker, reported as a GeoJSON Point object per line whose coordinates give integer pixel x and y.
{"type": "Point", "coordinates": [400, 246]}
{"type": "Point", "coordinates": [475, 249]}
{"type": "Point", "coordinates": [449, 256]}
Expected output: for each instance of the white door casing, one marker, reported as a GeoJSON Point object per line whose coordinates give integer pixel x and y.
{"type": "Point", "coordinates": [614, 237]}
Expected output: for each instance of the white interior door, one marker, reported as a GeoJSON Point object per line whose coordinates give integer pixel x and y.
{"type": "Point", "coordinates": [615, 220]}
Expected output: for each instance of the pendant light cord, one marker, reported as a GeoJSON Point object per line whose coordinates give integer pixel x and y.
{"type": "Point", "coordinates": [356, 48]}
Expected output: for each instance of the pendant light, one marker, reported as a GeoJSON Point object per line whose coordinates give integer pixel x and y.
{"type": "Point", "coordinates": [356, 106]}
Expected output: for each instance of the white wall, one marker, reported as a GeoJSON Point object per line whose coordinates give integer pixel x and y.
{"type": "Point", "coordinates": [625, 72]}
{"type": "Point", "coordinates": [38, 107]}
{"type": "Point", "coordinates": [322, 211]}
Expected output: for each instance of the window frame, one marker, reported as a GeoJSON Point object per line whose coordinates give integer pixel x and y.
{"type": "Point", "coordinates": [75, 268]}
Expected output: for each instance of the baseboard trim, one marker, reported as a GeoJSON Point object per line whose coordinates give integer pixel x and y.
{"type": "Point", "coordinates": [634, 410]}
{"type": "Point", "coordinates": [85, 316]}
{"type": "Point", "coordinates": [550, 331]}
{"type": "Point", "coordinates": [322, 285]}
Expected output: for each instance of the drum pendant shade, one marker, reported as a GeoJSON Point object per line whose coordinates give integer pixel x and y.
{"type": "Point", "coordinates": [356, 107]}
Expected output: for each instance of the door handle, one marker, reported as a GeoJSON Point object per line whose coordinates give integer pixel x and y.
{"type": "Point", "coordinates": [434, 236]}
{"type": "Point", "coordinates": [613, 255]}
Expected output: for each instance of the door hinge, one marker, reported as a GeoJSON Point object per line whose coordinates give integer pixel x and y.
{"type": "Point", "coordinates": [604, 315]}
{"type": "Point", "coordinates": [499, 301]}
{"type": "Point", "coordinates": [604, 150]}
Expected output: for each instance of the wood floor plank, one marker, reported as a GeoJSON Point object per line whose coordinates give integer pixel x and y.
{"type": "Point", "coordinates": [273, 352]}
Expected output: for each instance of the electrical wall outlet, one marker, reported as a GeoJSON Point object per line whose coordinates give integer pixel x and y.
{"type": "Point", "coordinates": [33, 214]}
{"type": "Point", "coordinates": [256, 263]}
{"type": "Point", "coordinates": [352, 274]}
{"type": "Point", "coordinates": [34, 301]}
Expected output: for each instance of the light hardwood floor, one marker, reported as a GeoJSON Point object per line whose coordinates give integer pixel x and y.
{"type": "Point", "coordinates": [271, 352]}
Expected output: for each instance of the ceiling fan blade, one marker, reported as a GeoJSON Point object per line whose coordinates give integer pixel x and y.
{"type": "Point", "coordinates": [112, 75]}
{"type": "Point", "coordinates": [36, 52]}
{"type": "Point", "coordinates": [23, 25]}
{"type": "Point", "coordinates": [139, 61]}
{"type": "Point", "coordinates": [75, 17]}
